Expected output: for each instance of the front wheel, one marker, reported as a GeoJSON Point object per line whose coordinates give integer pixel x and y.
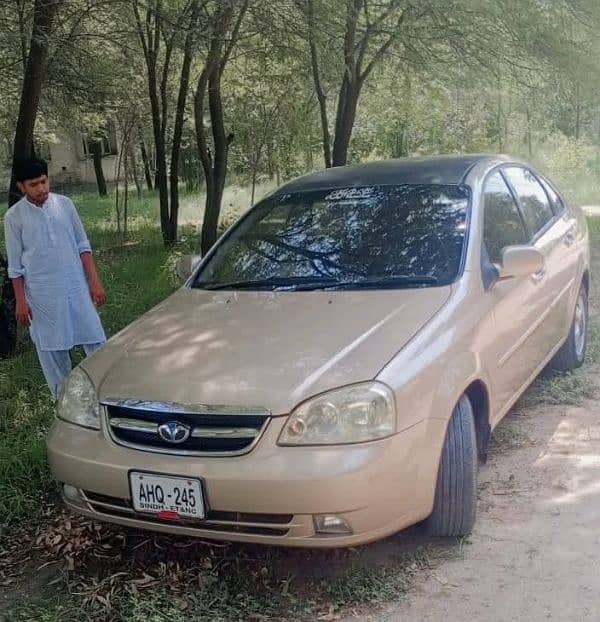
{"type": "Point", "coordinates": [455, 494]}
{"type": "Point", "coordinates": [572, 353]}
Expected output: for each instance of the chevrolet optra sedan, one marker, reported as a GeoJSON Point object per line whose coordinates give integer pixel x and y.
{"type": "Point", "coordinates": [332, 370]}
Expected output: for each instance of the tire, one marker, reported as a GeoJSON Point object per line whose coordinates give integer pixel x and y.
{"type": "Point", "coordinates": [572, 353]}
{"type": "Point", "coordinates": [455, 494]}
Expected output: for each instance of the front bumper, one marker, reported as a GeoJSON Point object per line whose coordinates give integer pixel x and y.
{"type": "Point", "coordinates": [270, 495]}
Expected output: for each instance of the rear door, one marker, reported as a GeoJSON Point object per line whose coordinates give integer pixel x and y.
{"type": "Point", "coordinates": [566, 230]}
{"type": "Point", "coordinates": [552, 234]}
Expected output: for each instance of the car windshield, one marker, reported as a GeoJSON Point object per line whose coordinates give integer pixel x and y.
{"type": "Point", "coordinates": [375, 236]}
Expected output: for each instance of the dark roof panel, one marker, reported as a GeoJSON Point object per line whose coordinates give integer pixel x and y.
{"type": "Point", "coordinates": [449, 169]}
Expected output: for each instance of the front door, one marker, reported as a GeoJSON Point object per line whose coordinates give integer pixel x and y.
{"type": "Point", "coordinates": [514, 350]}
{"type": "Point", "coordinates": [550, 230]}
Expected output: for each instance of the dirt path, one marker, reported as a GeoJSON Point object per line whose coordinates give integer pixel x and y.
{"type": "Point", "coordinates": [535, 551]}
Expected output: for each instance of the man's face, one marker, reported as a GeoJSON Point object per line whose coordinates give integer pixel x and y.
{"type": "Point", "coordinates": [36, 189]}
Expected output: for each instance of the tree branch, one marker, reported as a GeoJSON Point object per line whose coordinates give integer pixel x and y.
{"type": "Point", "coordinates": [381, 52]}
{"type": "Point", "coordinates": [234, 35]}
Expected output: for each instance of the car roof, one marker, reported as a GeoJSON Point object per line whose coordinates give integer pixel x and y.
{"type": "Point", "coordinates": [445, 169]}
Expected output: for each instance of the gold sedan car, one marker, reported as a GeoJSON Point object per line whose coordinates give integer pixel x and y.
{"type": "Point", "coordinates": [331, 371]}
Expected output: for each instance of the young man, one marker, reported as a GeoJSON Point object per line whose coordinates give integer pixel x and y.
{"type": "Point", "coordinates": [49, 258]}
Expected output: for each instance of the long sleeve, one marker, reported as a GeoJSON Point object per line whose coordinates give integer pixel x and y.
{"type": "Point", "coordinates": [45, 245]}
{"type": "Point", "coordinates": [83, 244]}
{"type": "Point", "coordinates": [14, 248]}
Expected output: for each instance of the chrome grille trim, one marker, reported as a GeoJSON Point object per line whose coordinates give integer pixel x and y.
{"type": "Point", "coordinates": [133, 425]}
{"type": "Point", "coordinates": [149, 427]}
{"type": "Point", "coordinates": [188, 452]}
{"type": "Point", "coordinates": [186, 409]}
{"type": "Point", "coordinates": [224, 432]}
{"type": "Point", "coordinates": [118, 421]}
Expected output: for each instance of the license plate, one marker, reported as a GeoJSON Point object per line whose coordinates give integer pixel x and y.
{"type": "Point", "coordinates": [171, 497]}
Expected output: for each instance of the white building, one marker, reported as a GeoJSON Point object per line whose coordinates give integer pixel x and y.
{"type": "Point", "coordinates": [69, 159]}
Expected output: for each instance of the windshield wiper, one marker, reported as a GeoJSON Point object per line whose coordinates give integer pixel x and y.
{"type": "Point", "coordinates": [386, 282]}
{"type": "Point", "coordinates": [293, 283]}
{"type": "Point", "coordinates": [308, 283]}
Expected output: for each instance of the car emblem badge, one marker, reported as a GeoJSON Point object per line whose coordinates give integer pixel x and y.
{"type": "Point", "coordinates": [174, 432]}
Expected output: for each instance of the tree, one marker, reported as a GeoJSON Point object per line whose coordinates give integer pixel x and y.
{"type": "Point", "coordinates": [369, 31]}
{"type": "Point", "coordinates": [224, 29]}
{"type": "Point", "coordinates": [44, 12]}
{"type": "Point", "coordinates": [159, 35]}
{"type": "Point", "coordinates": [96, 151]}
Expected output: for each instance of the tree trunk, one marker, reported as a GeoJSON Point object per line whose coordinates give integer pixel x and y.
{"type": "Point", "coordinates": [8, 325]}
{"type": "Point", "coordinates": [223, 39]}
{"type": "Point", "coordinates": [23, 33]}
{"type": "Point", "coordinates": [212, 213]}
{"type": "Point", "coordinates": [117, 189]}
{"type": "Point", "coordinates": [146, 162]}
{"type": "Point", "coordinates": [318, 85]}
{"type": "Point", "coordinates": [150, 42]}
{"type": "Point", "coordinates": [96, 150]}
{"type": "Point", "coordinates": [344, 122]}
{"type": "Point", "coordinates": [211, 217]}
{"type": "Point", "coordinates": [529, 146]}
{"type": "Point", "coordinates": [254, 172]}
{"type": "Point", "coordinates": [577, 113]}
{"type": "Point", "coordinates": [161, 163]}
{"type": "Point", "coordinates": [126, 199]}
{"type": "Point", "coordinates": [179, 120]}
{"type": "Point", "coordinates": [135, 171]}
{"type": "Point", "coordinates": [44, 12]}
{"type": "Point", "coordinates": [219, 169]}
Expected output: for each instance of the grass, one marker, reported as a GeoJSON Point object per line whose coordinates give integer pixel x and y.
{"type": "Point", "coordinates": [159, 578]}
{"type": "Point", "coordinates": [571, 389]}
{"type": "Point", "coordinates": [508, 435]}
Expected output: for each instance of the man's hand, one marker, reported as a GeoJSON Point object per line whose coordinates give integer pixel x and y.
{"type": "Point", "coordinates": [23, 313]}
{"type": "Point", "coordinates": [96, 288]}
{"type": "Point", "coordinates": [97, 292]}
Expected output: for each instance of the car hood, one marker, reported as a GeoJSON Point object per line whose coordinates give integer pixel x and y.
{"type": "Point", "coordinates": [262, 349]}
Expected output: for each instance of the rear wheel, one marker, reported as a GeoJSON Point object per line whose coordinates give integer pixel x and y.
{"type": "Point", "coordinates": [572, 353]}
{"type": "Point", "coordinates": [455, 494]}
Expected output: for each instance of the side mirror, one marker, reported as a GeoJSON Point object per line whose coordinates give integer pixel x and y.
{"type": "Point", "coordinates": [185, 266]}
{"type": "Point", "coordinates": [520, 261]}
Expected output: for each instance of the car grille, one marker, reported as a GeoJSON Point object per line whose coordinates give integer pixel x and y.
{"type": "Point", "coordinates": [208, 433]}
{"type": "Point", "coordinates": [232, 522]}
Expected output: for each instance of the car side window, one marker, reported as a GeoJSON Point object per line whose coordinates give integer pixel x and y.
{"type": "Point", "coordinates": [555, 201]}
{"type": "Point", "coordinates": [534, 201]}
{"type": "Point", "coordinates": [502, 222]}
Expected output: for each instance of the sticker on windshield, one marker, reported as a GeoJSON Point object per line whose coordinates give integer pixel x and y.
{"type": "Point", "coordinates": [351, 193]}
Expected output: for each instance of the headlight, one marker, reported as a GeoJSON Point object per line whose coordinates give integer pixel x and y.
{"type": "Point", "coordinates": [354, 414]}
{"type": "Point", "coordinates": [77, 402]}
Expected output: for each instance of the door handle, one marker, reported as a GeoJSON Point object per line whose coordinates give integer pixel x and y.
{"type": "Point", "coordinates": [569, 238]}
{"type": "Point", "coordinates": [538, 276]}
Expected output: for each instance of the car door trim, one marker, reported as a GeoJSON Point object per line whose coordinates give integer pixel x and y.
{"type": "Point", "coordinates": [513, 349]}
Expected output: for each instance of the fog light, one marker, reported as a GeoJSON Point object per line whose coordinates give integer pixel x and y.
{"type": "Point", "coordinates": [332, 525]}
{"type": "Point", "coordinates": [71, 493]}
